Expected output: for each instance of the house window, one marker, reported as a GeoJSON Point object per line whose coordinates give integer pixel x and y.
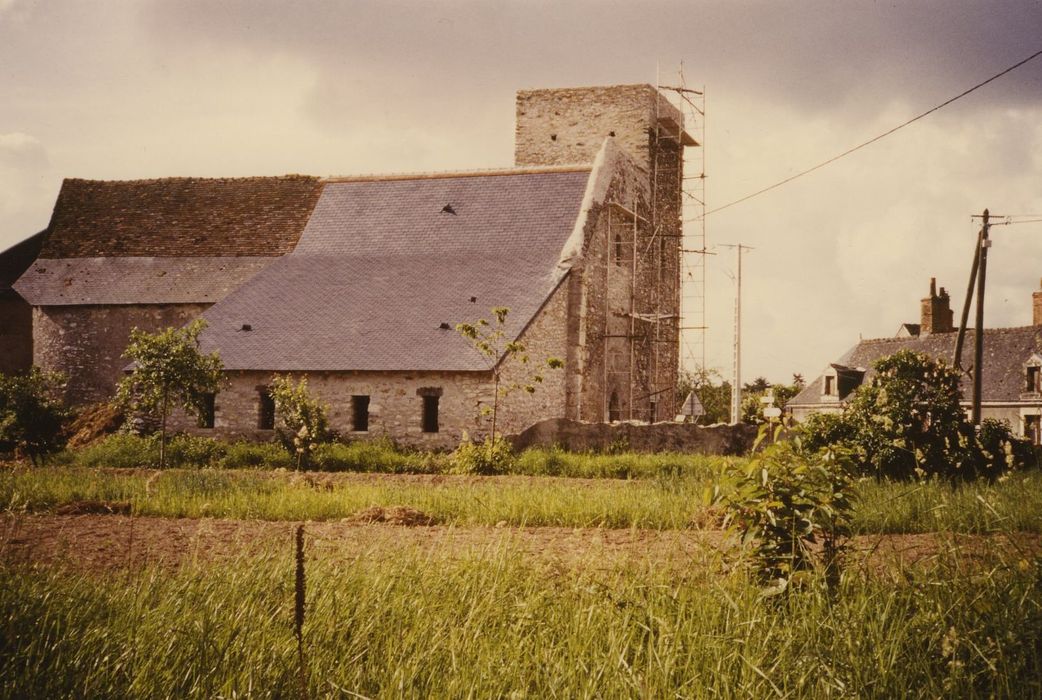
{"type": "Point", "coordinates": [614, 412]}
{"type": "Point", "coordinates": [829, 381]}
{"type": "Point", "coordinates": [360, 413]}
{"type": "Point", "coordinates": [207, 410]}
{"type": "Point", "coordinates": [1032, 425]}
{"type": "Point", "coordinates": [1033, 380]}
{"type": "Point", "coordinates": [430, 414]}
{"type": "Point", "coordinates": [266, 409]}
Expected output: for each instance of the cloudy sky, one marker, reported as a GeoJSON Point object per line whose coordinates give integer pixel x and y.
{"type": "Point", "coordinates": [117, 90]}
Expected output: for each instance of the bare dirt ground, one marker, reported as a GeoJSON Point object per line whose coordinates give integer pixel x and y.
{"type": "Point", "coordinates": [100, 543]}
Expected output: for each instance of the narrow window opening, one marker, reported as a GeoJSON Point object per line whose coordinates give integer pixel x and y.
{"type": "Point", "coordinates": [430, 414]}
{"type": "Point", "coordinates": [828, 385]}
{"type": "Point", "coordinates": [208, 410]}
{"type": "Point", "coordinates": [1033, 379]}
{"type": "Point", "coordinates": [614, 412]}
{"type": "Point", "coordinates": [360, 414]}
{"type": "Point", "coordinates": [618, 249]}
{"type": "Point", "coordinates": [266, 409]}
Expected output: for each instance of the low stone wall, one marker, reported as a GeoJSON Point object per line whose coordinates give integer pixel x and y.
{"type": "Point", "coordinates": [656, 437]}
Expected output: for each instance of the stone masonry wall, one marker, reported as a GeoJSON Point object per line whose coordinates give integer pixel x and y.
{"type": "Point", "coordinates": [86, 343]}
{"type": "Point", "coordinates": [16, 340]}
{"type": "Point", "coordinates": [395, 408]}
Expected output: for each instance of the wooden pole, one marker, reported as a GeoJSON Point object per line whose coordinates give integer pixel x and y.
{"type": "Point", "coordinates": [978, 335]}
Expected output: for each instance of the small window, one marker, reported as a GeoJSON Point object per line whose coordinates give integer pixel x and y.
{"type": "Point", "coordinates": [614, 412]}
{"type": "Point", "coordinates": [360, 414]}
{"type": "Point", "coordinates": [266, 410]}
{"type": "Point", "coordinates": [1033, 380]}
{"type": "Point", "coordinates": [618, 249]}
{"type": "Point", "coordinates": [829, 385]}
{"type": "Point", "coordinates": [207, 410]}
{"type": "Point", "coordinates": [430, 414]}
{"type": "Point", "coordinates": [1032, 425]}
{"type": "Point", "coordinates": [652, 411]}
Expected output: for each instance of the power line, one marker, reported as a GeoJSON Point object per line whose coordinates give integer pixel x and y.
{"type": "Point", "coordinates": [877, 138]}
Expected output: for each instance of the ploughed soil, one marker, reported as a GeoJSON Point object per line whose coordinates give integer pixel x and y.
{"type": "Point", "coordinates": [96, 540]}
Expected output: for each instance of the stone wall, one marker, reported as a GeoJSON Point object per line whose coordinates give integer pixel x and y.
{"type": "Point", "coordinates": [16, 333]}
{"type": "Point", "coordinates": [86, 343]}
{"type": "Point", "coordinates": [655, 437]}
{"type": "Point", "coordinates": [396, 403]}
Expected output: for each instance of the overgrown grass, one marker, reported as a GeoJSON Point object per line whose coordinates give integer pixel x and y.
{"type": "Point", "coordinates": [1014, 504]}
{"type": "Point", "coordinates": [653, 504]}
{"type": "Point", "coordinates": [497, 624]}
{"type": "Point", "coordinates": [379, 456]}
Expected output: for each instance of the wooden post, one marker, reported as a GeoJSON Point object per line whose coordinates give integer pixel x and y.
{"type": "Point", "coordinates": [978, 341]}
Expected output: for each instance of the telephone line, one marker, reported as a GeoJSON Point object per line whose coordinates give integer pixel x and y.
{"type": "Point", "coordinates": [877, 138]}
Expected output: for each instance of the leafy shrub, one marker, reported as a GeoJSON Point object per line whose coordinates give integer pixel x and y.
{"type": "Point", "coordinates": [491, 456]}
{"type": "Point", "coordinates": [1001, 449]}
{"type": "Point", "coordinates": [120, 451]}
{"type": "Point", "coordinates": [907, 423]}
{"type": "Point", "coordinates": [787, 499]}
{"type": "Point", "coordinates": [378, 455]}
{"type": "Point", "coordinates": [190, 451]}
{"type": "Point", "coordinates": [32, 413]}
{"type": "Point", "coordinates": [822, 430]}
{"type": "Point", "coordinates": [246, 455]}
{"type": "Point", "coordinates": [303, 424]}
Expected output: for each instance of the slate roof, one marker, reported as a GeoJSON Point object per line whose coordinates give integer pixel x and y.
{"type": "Point", "coordinates": [380, 266]}
{"type": "Point", "coordinates": [1006, 350]}
{"type": "Point", "coordinates": [74, 281]}
{"type": "Point", "coordinates": [180, 217]}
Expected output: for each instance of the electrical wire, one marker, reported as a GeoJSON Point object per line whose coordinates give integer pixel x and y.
{"type": "Point", "coordinates": [877, 138]}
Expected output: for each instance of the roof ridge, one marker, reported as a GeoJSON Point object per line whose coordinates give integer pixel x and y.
{"type": "Point", "coordinates": [444, 174]}
{"type": "Point", "coordinates": [191, 178]}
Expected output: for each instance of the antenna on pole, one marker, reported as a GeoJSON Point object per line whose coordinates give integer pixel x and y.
{"type": "Point", "coordinates": [736, 381]}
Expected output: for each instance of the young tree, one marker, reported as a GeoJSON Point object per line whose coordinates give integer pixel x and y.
{"type": "Point", "coordinates": [169, 369]}
{"type": "Point", "coordinates": [490, 340]}
{"type": "Point", "coordinates": [303, 419]}
{"type": "Point", "coordinates": [32, 413]}
{"type": "Point", "coordinates": [711, 390]}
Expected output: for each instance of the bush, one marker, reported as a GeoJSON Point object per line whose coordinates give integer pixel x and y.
{"type": "Point", "coordinates": [379, 455]}
{"type": "Point", "coordinates": [787, 499]}
{"type": "Point", "coordinates": [907, 423]}
{"type": "Point", "coordinates": [822, 430]}
{"type": "Point", "coordinates": [302, 419]}
{"type": "Point", "coordinates": [32, 413]}
{"type": "Point", "coordinates": [190, 451]}
{"type": "Point", "coordinates": [492, 456]}
{"type": "Point", "coordinates": [246, 455]}
{"type": "Point", "coordinates": [120, 451]}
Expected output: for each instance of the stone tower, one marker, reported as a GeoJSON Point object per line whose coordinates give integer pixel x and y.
{"type": "Point", "coordinates": [632, 351]}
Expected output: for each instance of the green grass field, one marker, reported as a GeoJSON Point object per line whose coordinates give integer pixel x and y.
{"type": "Point", "coordinates": [665, 502]}
{"type": "Point", "coordinates": [494, 618]}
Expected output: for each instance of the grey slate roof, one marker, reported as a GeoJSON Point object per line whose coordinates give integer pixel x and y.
{"type": "Point", "coordinates": [75, 281]}
{"type": "Point", "coordinates": [380, 267]}
{"type": "Point", "coordinates": [1006, 350]}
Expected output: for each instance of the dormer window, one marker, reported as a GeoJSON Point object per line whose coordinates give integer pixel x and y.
{"type": "Point", "coordinates": [830, 386]}
{"type": "Point", "coordinates": [1033, 375]}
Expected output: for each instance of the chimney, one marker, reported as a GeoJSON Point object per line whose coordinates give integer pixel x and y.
{"type": "Point", "coordinates": [937, 311]}
{"type": "Point", "coordinates": [1036, 307]}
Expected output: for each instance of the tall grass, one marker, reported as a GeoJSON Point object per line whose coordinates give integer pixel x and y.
{"type": "Point", "coordinates": [1014, 504]}
{"type": "Point", "coordinates": [497, 624]}
{"type": "Point", "coordinates": [660, 504]}
{"type": "Point", "coordinates": [380, 456]}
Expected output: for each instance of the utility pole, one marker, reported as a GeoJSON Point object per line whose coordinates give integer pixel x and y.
{"type": "Point", "coordinates": [978, 275]}
{"type": "Point", "coordinates": [736, 380]}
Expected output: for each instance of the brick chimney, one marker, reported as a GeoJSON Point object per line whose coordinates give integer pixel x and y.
{"type": "Point", "coordinates": [937, 311]}
{"type": "Point", "coordinates": [1036, 307]}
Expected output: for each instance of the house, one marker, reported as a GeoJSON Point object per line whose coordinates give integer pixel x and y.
{"type": "Point", "coordinates": [16, 315]}
{"type": "Point", "coordinates": [1010, 383]}
{"type": "Point", "coordinates": [359, 282]}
